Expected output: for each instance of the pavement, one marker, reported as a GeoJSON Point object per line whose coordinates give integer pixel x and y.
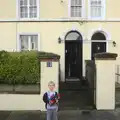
{"type": "Point", "coordinates": [62, 115]}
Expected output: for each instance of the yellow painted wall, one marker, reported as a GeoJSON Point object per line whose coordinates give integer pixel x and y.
{"type": "Point", "coordinates": [8, 36]}
{"type": "Point", "coordinates": [105, 96]}
{"type": "Point", "coordinates": [112, 9]}
{"type": "Point", "coordinates": [51, 31]}
{"type": "Point", "coordinates": [55, 9]}
{"type": "Point", "coordinates": [7, 9]}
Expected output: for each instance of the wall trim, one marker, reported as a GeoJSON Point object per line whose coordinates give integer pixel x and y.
{"type": "Point", "coordinates": [71, 29]}
{"type": "Point", "coordinates": [60, 20]}
{"type": "Point", "coordinates": [105, 32]}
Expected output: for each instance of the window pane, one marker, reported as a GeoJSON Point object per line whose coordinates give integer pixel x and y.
{"type": "Point", "coordinates": [76, 8]}
{"type": "Point", "coordinates": [28, 8]}
{"type": "Point", "coordinates": [99, 2]}
{"type": "Point", "coordinates": [24, 12]}
{"type": "Point", "coordinates": [96, 2]}
{"type": "Point", "coordinates": [33, 2]}
{"type": "Point", "coordinates": [23, 2]}
{"type": "Point", "coordinates": [34, 42]}
{"type": "Point", "coordinates": [33, 9]}
{"type": "Point", "coordinates": [76, 2]}
{"type": "Point", "coordinates": [24, 42]}
{"type": "Point", "coordinates": [93, 2]}
{"type": "Point", "coordinates": [99, 11]}
{"type": "Point", "coordinates": [33, 12]}
{"type": "Point", "coordinates": [93, 11]}
{"type": "Point", "coordinates": [73, 36]}
{"type": "Point", "coordinates": [76, 11]}
{"type": "Point", "coordinates": [23, 8]}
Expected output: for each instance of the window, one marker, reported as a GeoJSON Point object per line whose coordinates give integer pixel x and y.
{"type": "Point", "coordinates": [76, 8]}
{"type": "Point", "coordinates": [97, 8]}
{"type": "Point", "coordinates": [73, 35]}
{"type": "Point", "coordinates": [98, 44]}
{"type": "Point", "coordinates": [28, 42]}
{"type": "Point", "coordinates": [28, 9]}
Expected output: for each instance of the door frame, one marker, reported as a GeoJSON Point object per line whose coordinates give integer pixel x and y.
{"type": "Point", "coordinates": [79, 41]}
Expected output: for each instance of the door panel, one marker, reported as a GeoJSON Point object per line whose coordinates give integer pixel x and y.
{"type": "Point", "coordinates": [73, 59]}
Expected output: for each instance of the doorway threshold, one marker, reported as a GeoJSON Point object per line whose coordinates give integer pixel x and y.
{"type": "Point", "coordinates": [72, 79]}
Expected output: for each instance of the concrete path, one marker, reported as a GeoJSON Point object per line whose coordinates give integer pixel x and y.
{"type": "Point", "coordinates": [63, 115]}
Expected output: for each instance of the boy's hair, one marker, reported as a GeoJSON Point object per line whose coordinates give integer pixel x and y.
{"type": "Point", "coordinates": [51, 82]}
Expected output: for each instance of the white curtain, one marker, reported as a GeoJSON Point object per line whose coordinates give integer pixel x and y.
{"type": "Point", "coordinates": [34, 42]}
{"type": "Point", "coordinates": [96, 8]}
{"type": "Point", "coordinates": [24, 42]}
{"type": "Point", "coordinates": [23, 8]}
{"type": "Point", "coordinates": [76, 8]}
{"type": "Point", "coordinates": [33, 8]}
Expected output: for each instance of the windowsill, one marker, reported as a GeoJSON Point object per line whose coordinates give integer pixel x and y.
{"type": "Point", "coordinates": [74, 18]}
{"type": "Point", "coordinates": [96, 18]}
{"type": "Point", "coordinates": [28, 19]}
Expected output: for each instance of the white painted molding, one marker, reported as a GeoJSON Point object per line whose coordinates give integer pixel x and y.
{"type": "Point", "coordinates": [69, 8]}
{"type": "Point", "coordinates": [60, 20]}
{"type": "Point", "coordinates": [105, 32]}
{"type": "Point", "coordinates": [101, 30]}
{"type": "Point", "coordinates": [39, 42]}
{"type": "Point", "coordinates": [63, 35]}
{"type": "Point", "coordinates": [17, 9]}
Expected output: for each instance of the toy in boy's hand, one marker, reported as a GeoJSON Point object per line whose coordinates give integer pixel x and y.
{"type": "Point", "coordinates": [54, 99]}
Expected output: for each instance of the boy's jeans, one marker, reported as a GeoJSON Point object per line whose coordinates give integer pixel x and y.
{"type": "Point", "coordinates": [52, 114]}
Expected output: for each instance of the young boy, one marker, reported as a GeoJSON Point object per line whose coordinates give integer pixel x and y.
{"type": "Point", "coordinates": [51, 101]}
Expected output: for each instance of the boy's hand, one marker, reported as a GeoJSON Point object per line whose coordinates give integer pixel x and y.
{"type": "Point", "coordinates": [56, 100]}
{"type": "Point", "coordinates": [58, 96]}
{"type": "Point", "coordinates": [51, 102]}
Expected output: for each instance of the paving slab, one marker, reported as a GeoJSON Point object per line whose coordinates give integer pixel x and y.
{"type": "Point", "coordinates": [25, 115]}
{"type": "Point", "coordinates": [62, 115]}
{"type": "Point", "coordinates": [69, 115]}
{"type": "Point", "coordinates": [4, 115]}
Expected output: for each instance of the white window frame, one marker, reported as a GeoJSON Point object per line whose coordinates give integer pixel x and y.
{"type": "Point", "coordinates": [102, 17]}
{"type": "Point", "coordinates": [19, 41]}
{"type": "Point", "coordinates": [18, 11]}
{"type": "Point", "coordinates": [83, 10]}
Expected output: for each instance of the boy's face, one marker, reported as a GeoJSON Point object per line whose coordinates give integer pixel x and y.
{"type": "Point", "coordinates": [51, 87]}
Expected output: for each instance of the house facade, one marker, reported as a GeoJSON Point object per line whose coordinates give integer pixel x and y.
{"type": "Point", "coordinates": [73, 29]}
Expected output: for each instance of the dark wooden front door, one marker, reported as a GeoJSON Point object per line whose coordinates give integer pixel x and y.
{"type": "Point", "coordinates": [98, 47]}
{"type": "Point", "coordinates": [73, 59]}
